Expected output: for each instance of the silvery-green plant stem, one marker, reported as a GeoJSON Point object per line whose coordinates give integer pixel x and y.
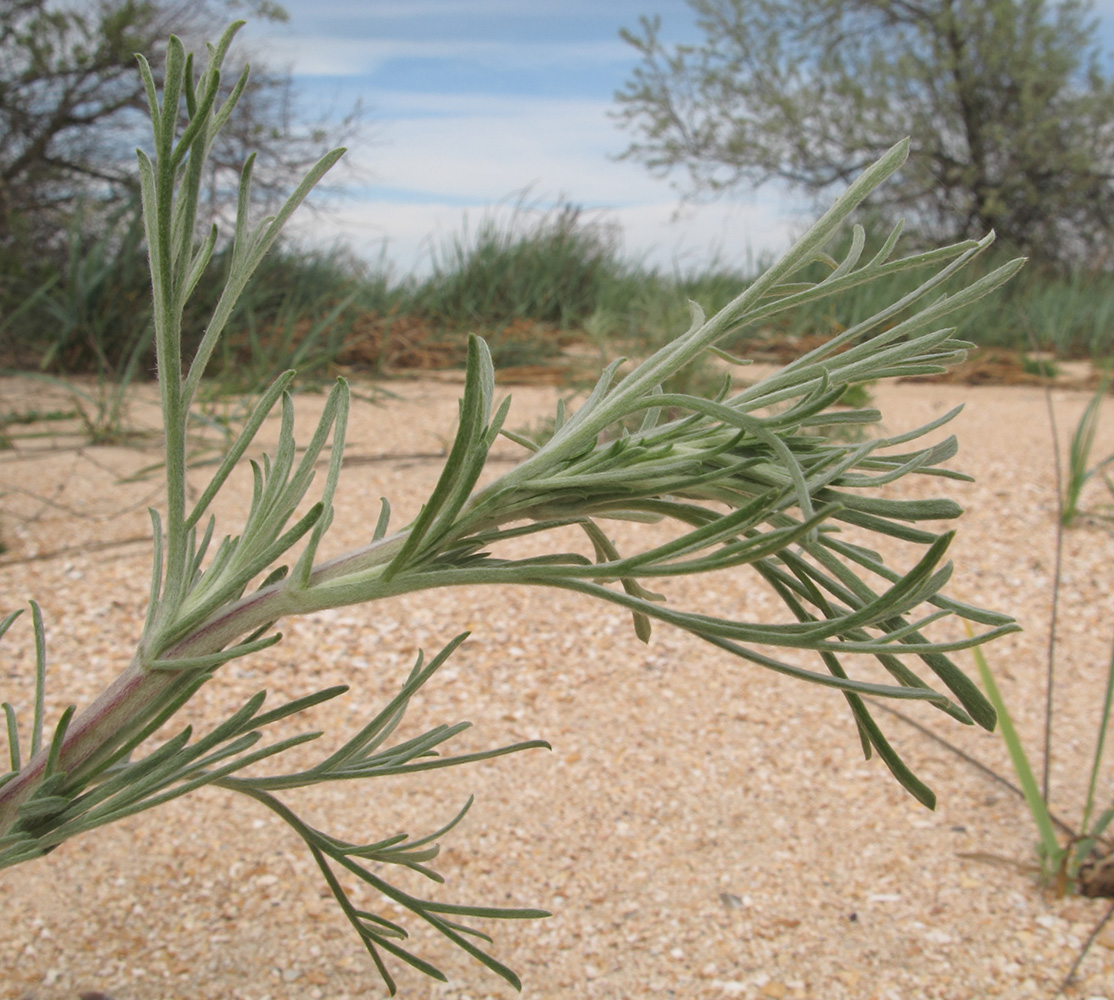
{"type": "Point", "coordinates": [131, 695]}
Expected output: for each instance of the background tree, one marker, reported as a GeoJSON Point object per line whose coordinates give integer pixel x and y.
{"type": "Point", "coordinates": [1010, 113]}
{"type": "Point", "coordinates": [72, 104]}
{"type": "Point", "coordinates": [73, 108]}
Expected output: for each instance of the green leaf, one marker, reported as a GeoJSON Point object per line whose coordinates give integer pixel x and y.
{"type": "Point", "coordinates": [1038, 808]}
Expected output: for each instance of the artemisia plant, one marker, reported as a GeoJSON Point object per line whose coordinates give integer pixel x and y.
{"type": "Point", "coordinates": [748, 480]}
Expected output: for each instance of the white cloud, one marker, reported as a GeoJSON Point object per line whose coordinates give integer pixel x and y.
{"type": "Point", "coordinates": [504, 145]}
{"type": "Point", "coordinates": [331, 56]}
{"type": "Point", "coordinates": [420, 9]}
{"type": "Point", "coordinates": [438, 153]}
{"type": "Point", "coordinates": [434, 152]}
{"type": "Point", "coordinates": [426, 11]}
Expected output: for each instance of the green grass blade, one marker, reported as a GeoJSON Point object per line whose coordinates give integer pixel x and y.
{"type": "Point", "coordinates": [1101, 740]}
{"type": "Point", "coordinates": [1038, 808]}
{"type": "Point", "coordinates": [40, 679]}
{"type": "Point", "coordinates": [13, 737]}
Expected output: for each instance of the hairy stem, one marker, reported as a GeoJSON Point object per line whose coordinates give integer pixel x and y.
{"type": "Point", "coordinates": [139, 691]}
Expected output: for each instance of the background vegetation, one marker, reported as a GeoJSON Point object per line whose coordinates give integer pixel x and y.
{"type": "Point", "coordinates": [550, 288]}
{"type": "Point", "coordinates": [1007, 103]}
{"type": "Point", "coordinates": [543, 289]}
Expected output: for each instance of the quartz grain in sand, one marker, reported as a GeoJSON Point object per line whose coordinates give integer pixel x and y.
{"type": "Point", "coordinates": [701, 828]}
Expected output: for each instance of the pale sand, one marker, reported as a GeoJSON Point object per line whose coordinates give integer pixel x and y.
{"type": "Point", "coordinates": [702, 828]}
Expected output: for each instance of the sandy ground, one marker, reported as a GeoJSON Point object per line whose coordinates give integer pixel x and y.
{"type": "Point", "coordinates": [701, 828]}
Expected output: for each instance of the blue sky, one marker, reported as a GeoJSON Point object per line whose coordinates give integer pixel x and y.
{"type": "Point", "coordinates": [475, 104]}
